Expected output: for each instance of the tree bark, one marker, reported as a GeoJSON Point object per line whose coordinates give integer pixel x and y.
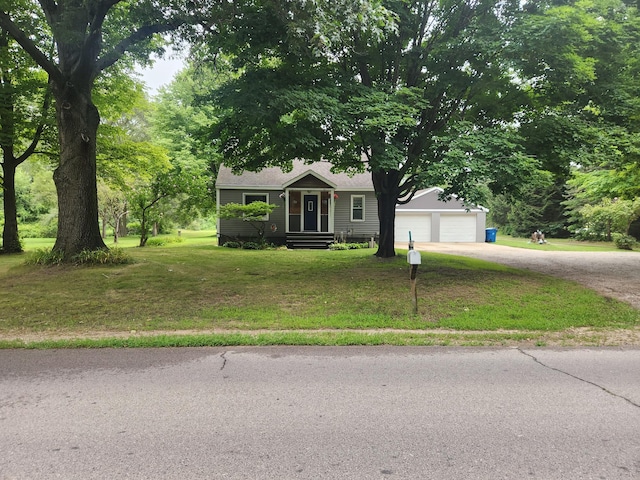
{"type": "Point", "coordinates": [75, 177]}
{"type": "Point", "coordinates": [144, 234]}
{"type": "Point", "coordinates": [10, 237]}
{"type": "Point", "coordinates": [386, 184]}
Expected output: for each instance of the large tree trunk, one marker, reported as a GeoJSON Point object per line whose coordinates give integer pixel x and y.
{"type": "Point", "coordinates": [386, 184]}
{"type": "Point", "coordinates": [10, 237]}
{"type": "Point", "coordinates": [75, 177]}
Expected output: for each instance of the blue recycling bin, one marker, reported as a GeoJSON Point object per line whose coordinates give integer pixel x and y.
{"type": "Point", "coordinates": [490, 235]}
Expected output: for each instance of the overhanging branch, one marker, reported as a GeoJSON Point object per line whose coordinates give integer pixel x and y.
{"type": "Point", "coordinates": [30, 48]}
{"type": "Point", "coordinates": [31, 149]}
{"type": "Point", "coordinates": [143, 33]}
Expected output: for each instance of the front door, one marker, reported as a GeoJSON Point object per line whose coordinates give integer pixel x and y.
{"type": "Point", "coordinates": [311, 213]}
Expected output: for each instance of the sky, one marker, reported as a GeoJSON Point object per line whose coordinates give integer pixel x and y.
{"type": "Point", "coordinates": [161, 73]}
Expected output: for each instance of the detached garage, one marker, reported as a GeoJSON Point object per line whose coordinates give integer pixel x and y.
{"type": "Point", "coordinates": [430, 219]}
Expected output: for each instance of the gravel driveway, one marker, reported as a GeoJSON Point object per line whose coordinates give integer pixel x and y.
{"type": "Point", "coordinates": [612, 274]}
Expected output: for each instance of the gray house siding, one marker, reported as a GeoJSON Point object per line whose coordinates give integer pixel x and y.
{"type": "Point", "coordinates": [356, 230]}
{"type": "Point", "coordinates": [230, 230]}
{"type": "Point", "coordinates": [298, 193]}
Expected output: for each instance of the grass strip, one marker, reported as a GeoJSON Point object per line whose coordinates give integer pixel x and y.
{"type": "Point", "coordinates": [343, 338]}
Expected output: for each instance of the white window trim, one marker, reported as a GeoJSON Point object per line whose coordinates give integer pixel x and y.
{"type": "Point", "coordinates": [266, 196]}
{"type": "Point", "coordinates": [363, 208]}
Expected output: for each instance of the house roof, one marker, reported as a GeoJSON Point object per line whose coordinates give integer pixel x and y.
{"type": "Point", "coordinates": [275, 178]}
{"type": "Point", "coordinates": [427, 200]}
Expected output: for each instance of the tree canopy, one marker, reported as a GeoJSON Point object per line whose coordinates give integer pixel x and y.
{"type": "Point", "coordinates": [427, 98]}
{"type": "Point", "coordinates": [581, 63]}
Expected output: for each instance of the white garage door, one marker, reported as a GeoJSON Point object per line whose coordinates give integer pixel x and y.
{"type": "Point", "coordinates": [419, 224]}
{"type": "Point", "coordinates": [458, 228]}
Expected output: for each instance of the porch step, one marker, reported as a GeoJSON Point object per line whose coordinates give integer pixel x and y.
{"type": "Point", "coordinates": [309, 240]}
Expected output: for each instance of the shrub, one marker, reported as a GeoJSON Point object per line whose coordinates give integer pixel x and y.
{"type": "Point", "coordinates": [43, 256]}
{"type": "Point", "coordinates": [348, 246]}
{"type": "Point", "coordinates": [115, 256]}
{"type": "Point", "coordinates": [624, 242]}
{"type": "Point", "coordinates": [133, 228]}
{"type": "Point", "coordinates": [251, 246]}
{"type": "Point", "coordinates": [38, 230]}
{"type": "Point", "coordinates": [231, 244]}
{"type": "Point", "coordinates": [162, 241]}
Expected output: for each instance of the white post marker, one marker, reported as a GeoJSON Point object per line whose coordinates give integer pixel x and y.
{"type": "Point", "coordinates": [413, 259]}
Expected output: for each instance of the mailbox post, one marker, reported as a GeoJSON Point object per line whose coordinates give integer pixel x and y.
{"type": "Point", "coordinates": [413, 259]}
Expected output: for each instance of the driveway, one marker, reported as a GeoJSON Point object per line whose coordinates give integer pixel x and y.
{"type": "Point", "coordinates": [612, 274]}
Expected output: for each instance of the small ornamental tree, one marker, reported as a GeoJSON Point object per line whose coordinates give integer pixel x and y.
{"type": "Point", "coordinates": [255, 213]}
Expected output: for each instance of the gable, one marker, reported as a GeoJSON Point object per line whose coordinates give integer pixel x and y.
{"type": "Point", "coordinates": [310, 181]}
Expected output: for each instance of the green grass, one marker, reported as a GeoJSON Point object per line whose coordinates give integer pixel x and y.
{"type": "Point", "coordinates": [559, 244]}
{"type": "Point", "coordinates": [284, 297]}
{"type": "Point", "coordinates": [190, 237]}
{"type": "Point", "coordinates": [343, 338]}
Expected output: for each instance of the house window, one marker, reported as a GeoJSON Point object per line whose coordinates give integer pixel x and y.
{"type": "Point", "coordinates": [248, 198]}
{"type": "Point", "coordinates": [357, 208]}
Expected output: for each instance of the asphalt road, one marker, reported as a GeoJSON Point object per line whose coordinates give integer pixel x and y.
{"type": "Point", "coordinates": [309, 413]}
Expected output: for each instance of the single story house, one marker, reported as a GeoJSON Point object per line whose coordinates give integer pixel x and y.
{"type": "Point", "coordinates": [430, 219]}
{"type": "Point", "coordinates": [314, 205]}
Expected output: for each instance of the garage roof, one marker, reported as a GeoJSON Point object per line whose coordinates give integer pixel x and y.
{"type": "Point", "coordinates": [427, 200]}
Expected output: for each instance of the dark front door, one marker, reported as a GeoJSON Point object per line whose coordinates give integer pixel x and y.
{"type": "Point", "coordinates": [311, 213]}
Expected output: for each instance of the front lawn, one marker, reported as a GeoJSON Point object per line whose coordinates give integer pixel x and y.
{"type": "Point", "coordinates": [200, 287]}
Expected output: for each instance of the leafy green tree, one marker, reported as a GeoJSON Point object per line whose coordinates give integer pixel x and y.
{"type": "Point", "coordinates": [151, 166]}
{"type": "Point", "coordinates": [581, 61]}
{"type": "Point", "coordinates": [592, 212]}
{"type": "Point", "coordinates": [24, 118]}
{"type": "Point", "coordinates": [537, 207]}
{"type": "Point", "coordinates": [35, 191]}
{"type": "Point", "coordinates": [113, 209]}
{"type": "Point", "coordinates": [89, 38]}
{"type": "Point", "coordinates": [609, 217]}
{"type": "Point", "coordinates": [147, 198]}
{"type": "Point", "coordinates": [420, 94]}
{"type": "Point", "coordinates": [180, 122]}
